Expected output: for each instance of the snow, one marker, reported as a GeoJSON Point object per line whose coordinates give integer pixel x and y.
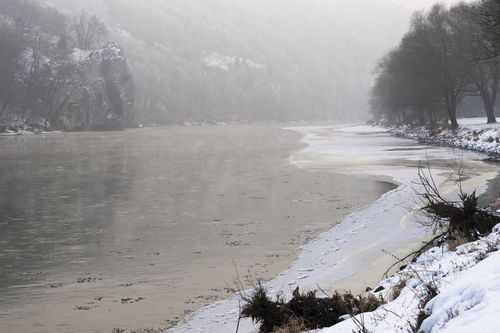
{"type": "Point", "coordinates": [111, 51]}
{"type": "Point", "coordinates": [363, 129]}
{"type": "Point", "coordinates": [473, 302]}
{"type": "Point", "coordinates": [226, 62]}
{"type": "Point", "coordinates": [360, 239]}
{"type": "Point", "coordinates": [477, 122]}
{"type": "Point", "coordinates": [78, 56]}
{"type": "Point", "coordinates": [123, 33]}
{"type": "Point", "coordinates": [473, 134]}
{"type": "Point", "coordinates": [469, 289]}
{"type": "Point", "coordinates": [162, 47]}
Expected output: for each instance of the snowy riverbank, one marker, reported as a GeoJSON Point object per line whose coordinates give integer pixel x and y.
{"type": "Point", "coordinates": [466, 281]}
{"type": "Point", "coordinates": [473, 134]}
{"type": "Point", "coordinates": [351, 255]}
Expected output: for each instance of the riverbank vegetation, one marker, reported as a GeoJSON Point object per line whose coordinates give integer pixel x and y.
{"type": "Point", "coordinates": [446, 57]}
{"type": "Point", "coordinates": [306, 310]}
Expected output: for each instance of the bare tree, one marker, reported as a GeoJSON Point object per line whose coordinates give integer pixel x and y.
{"type": "Point", "coordinates": [438, 63]}
{"type": "Point", "coordinates": [486, 67]}
{"type": "Point", "coordinates": [439, 38]}
{"type": "Point", "coordinates": [89, 31]}
{"type": "Point", "coordinates": [488, 16]}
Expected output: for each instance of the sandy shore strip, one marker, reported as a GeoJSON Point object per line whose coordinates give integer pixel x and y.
{"type": "Point", "coordinates": [351, 255]}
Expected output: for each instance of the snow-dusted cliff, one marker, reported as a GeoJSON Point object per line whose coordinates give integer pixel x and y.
{"type": "Point", "coordinates": [60, 73]}
{"type": "Point", "coordinates": [104, 97]}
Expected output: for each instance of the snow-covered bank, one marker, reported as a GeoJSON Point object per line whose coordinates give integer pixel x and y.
{"type": "Point", "coordinates": [351, 254]}
{"type": "Point", "coordinates": [467, 281]}
{"type": "Point", "coordinates": [473, 134]}
{"type": "Point", "coordinates": [26, 132]}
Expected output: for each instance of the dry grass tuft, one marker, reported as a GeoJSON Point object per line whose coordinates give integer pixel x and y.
{"type": "Point", "coordinates": [295, 326]}
{"type": "Point", "coordinates": [398, 287]}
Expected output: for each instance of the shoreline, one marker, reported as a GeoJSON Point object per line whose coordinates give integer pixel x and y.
{"type": "Point", "coordinates": [474, 134]}
{"type": "Point", "coordinates": [261, 222]}
{"type": "Point", "coordinates": [312, 266]}
{"type": "Point", "coordinates": [337, 243]}
{"type": "Point", "coordinates": [338, 255]}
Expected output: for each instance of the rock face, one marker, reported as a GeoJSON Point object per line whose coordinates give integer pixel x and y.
{"type": "Point", "coordinates": [104, 95]}
{"type": "Point", "coordinates": [55, 76]}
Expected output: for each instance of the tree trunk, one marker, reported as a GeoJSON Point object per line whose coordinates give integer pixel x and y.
{"type": "Point", "coordinates": [421, 118]}
{"type": "Point", "coordinates": [432, 119]}
{"type": "Point", "coordinates": [3, 111]}
{"type": "Point", "coordinates": [452, 113]}
{"type": "Point", "coordinates": [490, 113]}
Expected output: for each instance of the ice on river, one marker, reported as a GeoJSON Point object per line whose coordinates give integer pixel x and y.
{"type": "Point", "coordinates": [358, 243]}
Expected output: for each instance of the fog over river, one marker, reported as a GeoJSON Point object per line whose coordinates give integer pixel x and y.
{"type": "Point", "coordinates": [136, 229]}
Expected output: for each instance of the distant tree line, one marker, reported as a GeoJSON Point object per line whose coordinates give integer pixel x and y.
{"type": "Point", "coordinates": [446, 56]}
{"type": "Point", "coordinates": [37, 74]}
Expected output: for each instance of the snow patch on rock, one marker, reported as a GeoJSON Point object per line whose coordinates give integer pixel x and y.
{"type": "Point", "coordinates": [226, 62]}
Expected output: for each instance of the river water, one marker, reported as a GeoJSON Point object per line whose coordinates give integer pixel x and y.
{"type": "Point", "coordinates": [135, 229]}
{"type": "Point", "coordinates": [355, 253]}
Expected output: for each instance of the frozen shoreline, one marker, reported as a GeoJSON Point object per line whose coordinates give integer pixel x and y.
{"type": "Point", "coordinates": [349, 247]}
{"type": "Point", "coordinates": [474, 134]}
{"type": "Point", "coordinates": [171, 208]}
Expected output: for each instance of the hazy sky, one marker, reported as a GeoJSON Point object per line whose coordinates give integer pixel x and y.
{"type": "Point", "coordinates": [419, 4]}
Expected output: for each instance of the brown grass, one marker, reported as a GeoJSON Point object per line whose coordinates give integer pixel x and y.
{"type": "Point", "coordinates": [295, 326]}
{"type": "Point", "coordinates": [398, 287]}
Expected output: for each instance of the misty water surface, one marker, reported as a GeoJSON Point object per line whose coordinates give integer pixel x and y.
{"type": "Point", "coordinates": [154, 215]}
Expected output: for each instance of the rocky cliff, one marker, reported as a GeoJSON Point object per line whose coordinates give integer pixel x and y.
{"type": "Point", "coordinates": [60, 73]}
{"type": "Point", "coordinates": [105, 93]}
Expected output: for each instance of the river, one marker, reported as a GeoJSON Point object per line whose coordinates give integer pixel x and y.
{"type": "Point", "coordinates": [135, 229]}
{"type": "Point", "coordinates": [355, 253]}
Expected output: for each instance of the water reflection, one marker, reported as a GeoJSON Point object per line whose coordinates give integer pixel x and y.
{"type": "Point", "coordinates": [55, 202]}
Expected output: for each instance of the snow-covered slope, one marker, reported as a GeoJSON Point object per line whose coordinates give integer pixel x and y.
{"type": "Point", "coordinates": [467, 281]}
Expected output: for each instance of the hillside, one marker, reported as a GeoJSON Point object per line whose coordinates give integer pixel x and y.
{"type": "Point", "coordinates": [225, 60]}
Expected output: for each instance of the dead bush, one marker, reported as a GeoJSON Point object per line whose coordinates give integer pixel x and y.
{"type": "Point", "coordinates": [311, 311]}
{"type": "Point", "coordinates": [457, 221]}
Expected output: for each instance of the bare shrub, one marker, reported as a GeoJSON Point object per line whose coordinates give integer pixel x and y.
{"type": "Point", "coordinates": [312, 311]}
{"type": "Point", "coordinates": [457, 221]}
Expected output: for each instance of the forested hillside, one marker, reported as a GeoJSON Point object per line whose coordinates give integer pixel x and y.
{"type": "Point", "coordinates": [219, 60]}
{"type": "Point", "coordinates": [59, 72]}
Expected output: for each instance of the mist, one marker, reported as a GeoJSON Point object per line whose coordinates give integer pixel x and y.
{"type": "Point", "coordinates": [249, 60]}
{"type": "Point", "coordinates": [221, 166]}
